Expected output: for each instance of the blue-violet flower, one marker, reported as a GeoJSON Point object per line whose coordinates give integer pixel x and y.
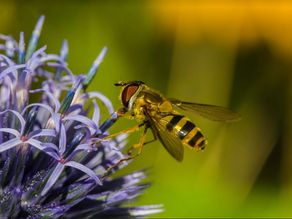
{"type": "Point", "coordinates": [49, 165]}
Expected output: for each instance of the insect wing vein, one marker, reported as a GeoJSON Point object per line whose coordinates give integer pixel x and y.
{"type": "Point", "coordinates": [215, 113]}
{"type": "Point", "coordinates": [171, 142]}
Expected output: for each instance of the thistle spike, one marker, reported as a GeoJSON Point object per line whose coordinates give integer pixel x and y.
{"type": "Point", "coordinates": [93, 69]}
{"type": "Point", "coordinates": [35, 37]}
{"type": "Point", "coordinates": [75, 142]}
{"type": "Point", "coordinates": [30, 121]}
{"type": "Point", "coordinates": [69, 98]}
{"type": "Point", "coordinates": [21, 51]}
{"type": "Point", "coordinates": [109, 122]}
{"type": "Point", "coordinates": [63, 56]}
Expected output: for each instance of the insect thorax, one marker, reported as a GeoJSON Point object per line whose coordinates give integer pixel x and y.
{"type": "Point", "coordinates": [152, 102]}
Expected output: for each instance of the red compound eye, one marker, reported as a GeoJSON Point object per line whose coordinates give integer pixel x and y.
{"type": "Point", "coordinates": [128, 92]}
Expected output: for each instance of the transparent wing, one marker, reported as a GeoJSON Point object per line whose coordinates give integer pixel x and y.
{"type": "Point", "coordinates": [171, 142]}
{"type": "Point", "coordinates": [215, 113]}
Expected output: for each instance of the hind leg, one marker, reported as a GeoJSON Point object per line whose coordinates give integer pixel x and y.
{"type": "Point", "coordinates": [140, 146]}
{"type": "Point", "coordinates": [130, 150]}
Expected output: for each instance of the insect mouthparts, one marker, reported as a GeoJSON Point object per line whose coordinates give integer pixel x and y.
{"type": "Point", "coordinates": [120, 83]}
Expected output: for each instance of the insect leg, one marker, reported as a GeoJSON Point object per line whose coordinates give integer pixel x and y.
{"type": "Point", "coordinates": [126, 116]}
{"type": "Point", "coordinates": [122, 113]}
{"type": "Point", "coordinates": [135, 128]}
{"type": "Point", "coordinates": [130, 157]}
{"type": "Point", "coordinates": [130, 150]}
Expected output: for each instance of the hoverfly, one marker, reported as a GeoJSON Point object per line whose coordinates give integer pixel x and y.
{"type": "Point", "coordinates": [157, 113]}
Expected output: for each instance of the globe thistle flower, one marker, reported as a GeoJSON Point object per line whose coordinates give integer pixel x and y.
{"type": "Point", "coordinates": [50, 166]}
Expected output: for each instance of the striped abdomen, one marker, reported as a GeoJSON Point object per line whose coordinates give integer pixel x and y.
{"type": "Point", "coordinates": [187, 131]}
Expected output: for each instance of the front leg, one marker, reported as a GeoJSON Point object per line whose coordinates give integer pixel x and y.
{"type": "Point", "coordinates": [122, 113]}
{"type": "Point", "coordinates": [135, 128]}
{"type": "Point", "coordinates": [130, 150]}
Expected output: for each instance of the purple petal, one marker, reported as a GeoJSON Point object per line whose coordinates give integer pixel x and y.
{"type": "Point", "coordinates": [103, 98]}
{"type": "Point", "coordinates": [52, 153]}
{"type": "Point", "coordinates": [84, 147]}
{"type": "Point", "coordinates": [2, 47]}
{"type": "Point", "coordinates": [68, 79]}
{"type": "Point", "coordinates": [51, 149]}
{"type": "Point", "coordinates": [38, 52]}
{"type": "Point", "coordinates": [84, 169]}
{"type": "Point", "coordinates": [51, 146]}
{"type": "Point", "coordinates": [64, 50]}
{"type": "Point", "coordinates": [36, 90]}
{"type": "Point", "coordinates": [50, 57]}
{"type": "Point", "coordinates": [48, 149]}
{"type": "Point", "coordinates": [7, 60]}
{"type": "Point", "coordinates": [47, 107]}
{"type": "Point", "coordinates": [96, 112]}
{"type": "Point", "coordinates": [83, 120]}
{"type": "Point", "coordinates": [74, 107]}
{"type": "Point", "coordinates": [63, 56]}
{"type": "Point", "coordinates": [80, 126]}
{"type": "Point", "coordinates": [133, 178]}
{"type": "Point", "coordinates": [10, 144]}
{"type": "Point", "coordinates": [35, 61]}
{"type": "Point", "coordinates": [10, 48]}
{"type": "Point", "coordinates": [11, 69]}
{"type": "Point", "coordinates": [53, 178]}
{"type": "Point", "coordinates": [55, 100]}
{"type": "Point", "coordinates": [42, 132]}
{"type": "Point", "coordinates": [115, 149]}
{"type": "Point", "coordinates": [145, 210]}
{"type": "Point", "coordinates": [35, 143]}
{"type": "Point", "coordinates": [4, 37]}
{"type": "Point", "coordinates": [59, 65]}
{"type": "Point", "coordinates": [57, 121]}
{"type": "Point", "coordinates": [11, 131]}
{"type": "Point", "coordinates": [50, 95]}
{"type": "Point", "coordinates": [21, 119]}
{"type": "Point", "coordinates": [62, 139]}
{"type": "Point", "coordinates": [81, 147]}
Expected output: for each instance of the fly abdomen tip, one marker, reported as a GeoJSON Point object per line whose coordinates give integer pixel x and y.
{"type": "Point", "coordinates": [201, 146]}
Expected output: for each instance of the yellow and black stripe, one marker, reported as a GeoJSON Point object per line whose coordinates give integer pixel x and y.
{"type": "Point", "coordinates": [187, 131]}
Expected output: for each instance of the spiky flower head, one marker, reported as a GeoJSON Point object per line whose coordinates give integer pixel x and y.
{"type": "Point", "coordinates": [49, 164]}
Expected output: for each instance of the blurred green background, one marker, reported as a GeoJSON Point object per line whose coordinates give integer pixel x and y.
{"type": "Point", "coordinates": [228, 53]}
